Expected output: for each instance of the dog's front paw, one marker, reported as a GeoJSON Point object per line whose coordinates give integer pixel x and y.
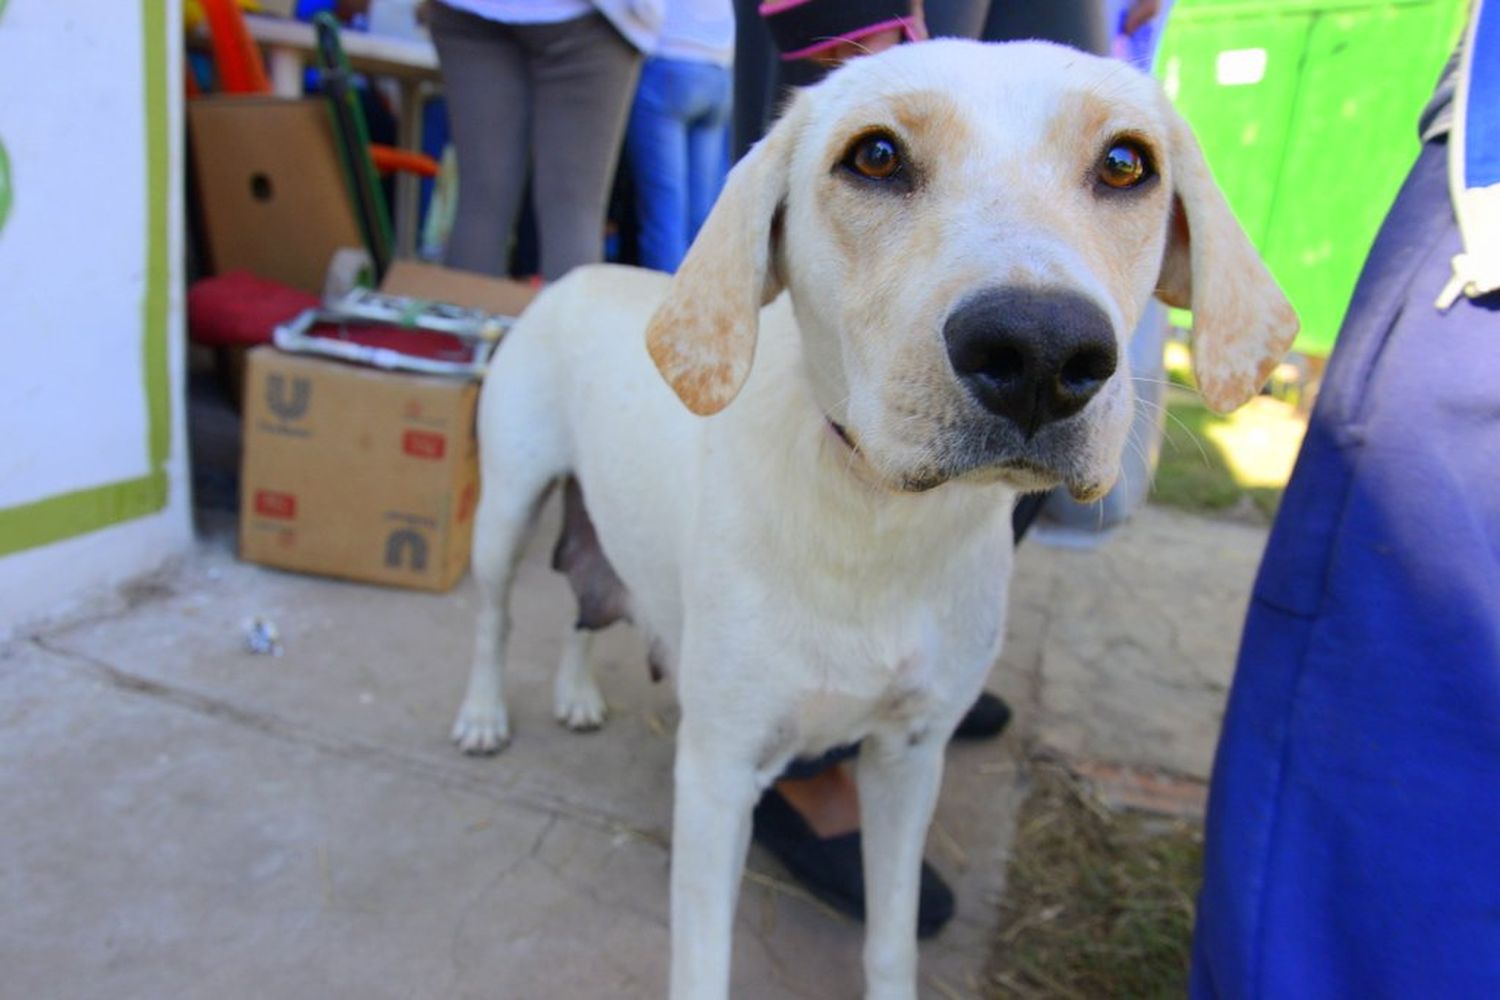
{"type": "Point", "coordinates": [481, 729]}
{"type": "Point", "coordinates": [580, 706]}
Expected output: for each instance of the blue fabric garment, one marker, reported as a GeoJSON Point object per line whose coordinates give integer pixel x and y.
{"type": "Point", "coordinates": [678, 145]}
{"type": "Point", "coordinates": [1353, 837]}
{"type": "Point", "coordinates": [1482, 144]}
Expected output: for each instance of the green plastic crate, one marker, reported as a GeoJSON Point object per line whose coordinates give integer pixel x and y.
{"type": "Point", "coordinates": [1307, 113]}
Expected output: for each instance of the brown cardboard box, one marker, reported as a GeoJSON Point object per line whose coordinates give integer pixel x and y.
{"type": "Point", "coordinates": [357, 473]}
{"type": "Point", "coordinates": [360, 473]}
{"type": "Point", "coordinates": [461, 288]}
{"type": "Point", "coordinates": [270, 190]}
{"type": "Point", "coordinates": [277, 8]}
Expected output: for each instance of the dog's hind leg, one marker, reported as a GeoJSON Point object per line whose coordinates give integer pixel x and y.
{"type": "Point", "coordinates": [501, 525]}
{"type": "Point", "coordinates": [602, 601]}
{"type": "Point", "coordinates": [577, 702]}
{"type": "Point", "coordinates": [521, 458]}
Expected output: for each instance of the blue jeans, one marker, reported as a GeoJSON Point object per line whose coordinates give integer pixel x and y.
{"type": "Point", "coordinates": [677, 142]}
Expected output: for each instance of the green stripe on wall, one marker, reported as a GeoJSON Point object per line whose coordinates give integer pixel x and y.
{"type": "Point", "coordinates": [68, 515]}
{"type": "Point", "coordinates": [158, 237]}
{"type": "Point", "coordinates": [60, 517]}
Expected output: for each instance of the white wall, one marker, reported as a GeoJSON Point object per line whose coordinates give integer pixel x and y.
{"type": "Point", "coordinates": [74, 278]}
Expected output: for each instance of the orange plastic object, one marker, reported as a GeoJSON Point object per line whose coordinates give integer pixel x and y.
{"type": "Point", "coordinates": [236, 56]}
{"type": "Point", "coordinates": [389, 159]}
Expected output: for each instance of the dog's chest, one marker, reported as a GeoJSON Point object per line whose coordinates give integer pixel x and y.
{"type": "Point", "coordinates": [890, 665]}
{"type": "Point", "coordinates": [900, 697]}
{"type": "Point", "coordinates": [895, 682]}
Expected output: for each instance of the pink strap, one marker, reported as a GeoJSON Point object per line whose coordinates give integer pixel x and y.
{"type": "Point", "coordinates": [850, 36]}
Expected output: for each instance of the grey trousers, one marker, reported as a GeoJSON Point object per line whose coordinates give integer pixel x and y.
{"type": "Point", "coordinates": [548, 100]}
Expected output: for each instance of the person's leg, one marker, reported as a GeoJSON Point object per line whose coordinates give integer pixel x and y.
{"type": "Point", "coordinates": [1028, 507]}
{"type": "Point", "coordinates": [488, 108]}
{"type": "Point", "coordinates": [810, 820]}
{"type": "Point", "coordinates": [957, 18]}
{"type": "Point", "coordinates": [823, 792]}
{"type": "Point", "coordinates": [1082, 24]}
{"type": "Point", "coordinates": [755, 72]}
{"type": "Point", "coordinates": [583, 74]}
{"type": "Point", "coordinates": [708, 143]}
{"type": "Point", "coordinates": [656, 144]}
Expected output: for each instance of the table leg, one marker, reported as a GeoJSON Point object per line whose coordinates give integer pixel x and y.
{"type": "Point", "coordinates": [408, 186]}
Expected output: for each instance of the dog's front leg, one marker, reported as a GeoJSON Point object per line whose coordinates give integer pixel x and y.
{"type": "Point", "coordinates": [716, 789]}
{"type": "Point", "coordinates": [898, 789]}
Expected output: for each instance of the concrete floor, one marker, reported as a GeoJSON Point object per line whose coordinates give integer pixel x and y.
{"type": "Point", "coordinates": [185, 819]}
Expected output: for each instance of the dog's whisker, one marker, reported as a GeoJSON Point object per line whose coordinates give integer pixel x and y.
{"type": "Point", "coordinates": [1097, 88]}
{"type": "Point", "coordinates": [1133, 441]}
{"type": "Point", "coordinates": [1192, 435]}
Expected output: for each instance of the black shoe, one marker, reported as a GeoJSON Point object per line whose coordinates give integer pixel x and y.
{"type": "Point", "coordinates": [831, 867]}
{"type": "Point", "coordinates": [987, 718]}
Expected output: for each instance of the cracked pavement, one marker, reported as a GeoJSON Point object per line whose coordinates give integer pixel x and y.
{"type": "Point", "coordinates": [1125, 652]}
{"type": "Point", "coordinates": [185, 819]}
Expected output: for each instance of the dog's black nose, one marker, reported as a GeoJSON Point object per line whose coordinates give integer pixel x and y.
{"type": "Point", "coordinates": [1031, 355]}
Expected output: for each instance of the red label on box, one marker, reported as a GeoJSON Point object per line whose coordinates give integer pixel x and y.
{"type": "Point", "coordinates": [272, 504]}
{"type": "Point", "coordinates": [423, 444]}
{"type": "Point", "coordinates": [466, 502]}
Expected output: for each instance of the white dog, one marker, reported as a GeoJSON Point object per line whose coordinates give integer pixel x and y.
{"type": "Point", "coordinates": [966, 235]}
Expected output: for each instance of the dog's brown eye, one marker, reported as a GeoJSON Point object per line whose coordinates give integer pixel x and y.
{"type": "Point", "coordinates": [875, 157]}
{"type": "Point", "coordinates": [1124, 166]}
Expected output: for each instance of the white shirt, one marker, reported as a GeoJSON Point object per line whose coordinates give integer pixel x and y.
{"type": "Point", "coordinates": [698, 31]}
{"type": "Point", "coordinates": [524, 11]}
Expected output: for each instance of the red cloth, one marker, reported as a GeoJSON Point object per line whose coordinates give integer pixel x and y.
{"type": "Point", "coordinates": [412, 343]}
{"type": "Point", "coordinates": [240, 310]}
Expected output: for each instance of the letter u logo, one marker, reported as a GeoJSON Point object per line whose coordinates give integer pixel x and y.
{"type": "Point", "coordinates": [406, 548]}
{"type": "Point", "coordinates": [288, 406]}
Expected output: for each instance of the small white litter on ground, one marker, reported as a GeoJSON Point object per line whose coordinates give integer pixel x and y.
{"type": "Point", "coordinates": [263, 638]}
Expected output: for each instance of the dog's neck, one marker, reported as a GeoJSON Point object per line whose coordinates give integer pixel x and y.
{"type": "Point", "coordinates": [849, 527]}
{"type": "Point", "coordinates": [786, 431]}
{"type": "Point", "coordinates": [823, 368]}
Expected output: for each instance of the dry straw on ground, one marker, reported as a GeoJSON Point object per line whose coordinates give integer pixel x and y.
{"type": "Point", "coordinates": [1097, 903]}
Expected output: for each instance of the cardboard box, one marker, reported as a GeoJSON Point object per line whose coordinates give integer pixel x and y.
{"type": "Point", "coordinates": [365, 474]}
{"type": "Point", "coordinates": [277, 8]}
{"type": "Point", "coordinates": [460, 288]}
{"type": "Point", "coordinates": [270, 191]}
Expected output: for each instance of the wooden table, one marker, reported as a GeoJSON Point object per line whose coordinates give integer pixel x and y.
{"type": "Point", "coordinates": [291, 45]}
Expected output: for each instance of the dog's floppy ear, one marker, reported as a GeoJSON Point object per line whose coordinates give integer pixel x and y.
{"type": "Point", "coordinates": [1242, 323]}
{"type": "Point", "coordinates": [702, 336]}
